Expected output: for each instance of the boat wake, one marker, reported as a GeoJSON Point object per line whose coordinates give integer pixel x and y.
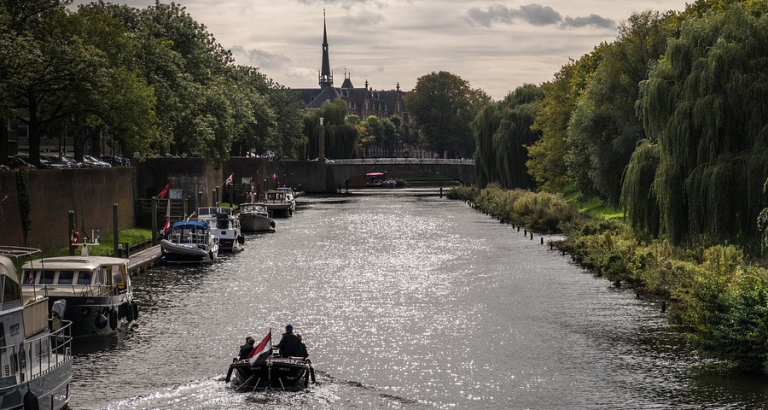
{"type": "Point", "coordinates": [215, 393]}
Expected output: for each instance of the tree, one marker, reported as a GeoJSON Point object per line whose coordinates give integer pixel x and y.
{"type": "Point", "coordinates": [704, 105]}
{"type": "Point", "coordinates": [546, 157]}
{"type": "Point", "coordinates": [341, 136]}
{"type": "Point", "coordinates": [503, 131]}
{"type": "Point", "coordinates": [441, 107]}
{"type": "Point", "coordinates": [604, 127]}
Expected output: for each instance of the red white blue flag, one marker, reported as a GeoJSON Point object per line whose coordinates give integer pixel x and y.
{"type": "Point", "coordinates": [260, 353]}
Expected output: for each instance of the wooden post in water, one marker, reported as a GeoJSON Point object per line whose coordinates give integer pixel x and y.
{"type": "Point", "coordinates": [71, 232]}
{"type": "Point", "coordinates": [154, 220]}
{"type": "Point", "coordinates": [115, 230]}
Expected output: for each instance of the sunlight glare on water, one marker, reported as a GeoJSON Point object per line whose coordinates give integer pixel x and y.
{"type": "Point", "coordinates": [406, 301]}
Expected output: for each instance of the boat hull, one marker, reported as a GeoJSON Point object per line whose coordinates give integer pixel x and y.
{"type": "Point", "coordinates": [51, 390]}
{"type": "Point", "coordinates": [181, 253]}
{"type": "Point", "coordinates": [288, 374]}
{"type": "Point", "coordinates": [256, 223]}
{"type": "Point", "coordinates": [97, 315]}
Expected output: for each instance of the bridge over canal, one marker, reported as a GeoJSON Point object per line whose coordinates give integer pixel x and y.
{"type": "Point", "coordinates": [320, 176]}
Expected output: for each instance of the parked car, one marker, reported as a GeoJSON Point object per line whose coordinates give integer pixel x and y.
{"type": "Point", "coordinates": [15, 162]}
{"type": "Point", "coordinates": [72, 162]}
{"type": "Point", "coordinates": [116, 161]}
{"type": "Point", "coordinates": [93, 162]}
{"type": "Point", "coordinates": [57, 161]}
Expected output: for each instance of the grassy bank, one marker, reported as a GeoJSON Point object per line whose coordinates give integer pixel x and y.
{"type": "Point", "coordinates": [714, 294]}
{"type": "Point", "coordinates": [136, 238]}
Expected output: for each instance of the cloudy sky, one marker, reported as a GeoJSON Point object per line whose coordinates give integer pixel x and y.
{"type": "Point", "coordinates": [494, 45]}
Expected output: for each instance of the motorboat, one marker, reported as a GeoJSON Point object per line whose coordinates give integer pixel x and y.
{"type": "Point", "coordinates": [35, 349]}
{"type": "Point", "coordinates": [290, 196]}
{"type": "Point", "coordinates": [254, 217]}
{"type": "Point", "coordinates": [96, 291]}
{"type": "Point", "coordinates": [190, 242]}
{"type": "Point", "coordinates": [278, 373]}
{"type": "Point", "coordinates": [374, 179]}
{"type": "Point", "coordinates": [278, 204]}
{"type": "Point", "coordinates": [225, 226]}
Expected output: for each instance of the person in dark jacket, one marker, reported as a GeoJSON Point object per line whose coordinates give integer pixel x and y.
{"type": "Point", "coordinates": [302, 348]}
{"type": "Point", "coordinates": [246, 349]}
{"type": "Point", "coordinates": [289, 343]}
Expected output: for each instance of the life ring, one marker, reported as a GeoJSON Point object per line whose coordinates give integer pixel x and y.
{"type": "Point", "coordinates": [135, 310]}
{"type": "Point", "coordinates": [113, 320]}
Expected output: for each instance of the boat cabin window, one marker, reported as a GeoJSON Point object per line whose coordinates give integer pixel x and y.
{"type": "Point", "coordinates": [65, 277]}
{"type": "Point", "coordinates": [84, 277]}
{"type": "Point", "coordinates": [117, 277]}
{"type": "Point", "coordinates": [28, 278]}
{"type": "Point", "coordinates": [46, 277]}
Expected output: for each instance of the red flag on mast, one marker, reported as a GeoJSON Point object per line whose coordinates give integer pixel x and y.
{"type": "Point", "coordinates": [165, 190]}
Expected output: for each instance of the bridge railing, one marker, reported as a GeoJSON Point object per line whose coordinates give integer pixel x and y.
{"type": "Point", "coordinates": [358, 161]}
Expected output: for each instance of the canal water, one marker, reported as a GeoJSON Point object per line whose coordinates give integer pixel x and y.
{"type": "Point", "coordinates": [406, 301]}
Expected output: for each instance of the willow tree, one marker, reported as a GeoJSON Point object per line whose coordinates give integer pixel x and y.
{"type": "Point", "coordinates": [604, 127]}
{"type": "Point", "coordinates": [705, 106]}
{"type": "Point", "coordinates": [340, 132]}
{"type": "Point", "coordinates": [503, 131]}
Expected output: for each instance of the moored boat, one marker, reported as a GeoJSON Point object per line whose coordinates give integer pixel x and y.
{"type": "Point", "coordinates": [35, 349]}
{"type": "Point", "coordinates": [254, 217]}
{"type": "Point", "coordinates": [190, 242]}
{"type": "Point", "coordinates": [96, 290]}
{"type": "Point", "coordinates": [225, 226]}
{"type": "Point", "coordinates": [278, 204]}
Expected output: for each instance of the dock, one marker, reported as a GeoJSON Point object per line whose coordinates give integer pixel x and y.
{"type": "Point", "coordinates": [143, 259]}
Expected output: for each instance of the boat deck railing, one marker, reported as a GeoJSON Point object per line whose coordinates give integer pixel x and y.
{"type": "Point", "coordinates": [38, 355]}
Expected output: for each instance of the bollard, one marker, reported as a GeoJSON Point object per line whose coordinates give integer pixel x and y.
{"type": "Point", "coordinates": [542, 240]}
{"type": "Point", "coordinates": [525, 232]}
{"type": "Point", "coordinates": [531, 235]}
{"type": "Point", "coordinates": [518, 228]}
{"type": "Point", "coordinates": [663, 306]}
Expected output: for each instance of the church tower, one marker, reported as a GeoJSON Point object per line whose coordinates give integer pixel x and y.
{"type": "Point", "coordinates": [326, 77]}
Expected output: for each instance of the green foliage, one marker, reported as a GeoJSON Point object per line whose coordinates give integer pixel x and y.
{"type": "Point", "coordinates": [341, 137]}
{"type": "Point", "coordinates": [441, 107]}
{"type": "Point", "coordinates": [503, 131]}
{"type": "Point", "coordinates": [704, 105]}
{"type": "Point", "coordinates": [543, 212]}
{"type": "Point", "coordinates": [604, 129]}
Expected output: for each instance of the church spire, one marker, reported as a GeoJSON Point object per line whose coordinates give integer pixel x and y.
{"type": "Point", "coordinates": [326, 77]}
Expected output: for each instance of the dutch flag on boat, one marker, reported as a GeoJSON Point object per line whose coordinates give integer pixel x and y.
{"type": "Point", "coordinates": [262, 351]}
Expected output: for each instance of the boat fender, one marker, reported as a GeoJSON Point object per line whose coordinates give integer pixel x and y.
{"type": "Point", "coordinates": [241, 239]}
{"type": "Point", "coordinates": [135, 310]}
{"type": "Point", "coordinates": [121, 312]}
{"type": "Point", "coordinates": [312, 374]}
{"type": "Point", "coordinates": [101, 321]}
{"type": "Point", "coordinates": [229, 373]}
{"type": "Point", "coordinates": [272, 224]}
{"type": "Point", "coordinates": [113, 319]}
{"type": "Point", "coordinates": [30, 401]}
{"type": "Point", "coordinates": [128, 311]}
